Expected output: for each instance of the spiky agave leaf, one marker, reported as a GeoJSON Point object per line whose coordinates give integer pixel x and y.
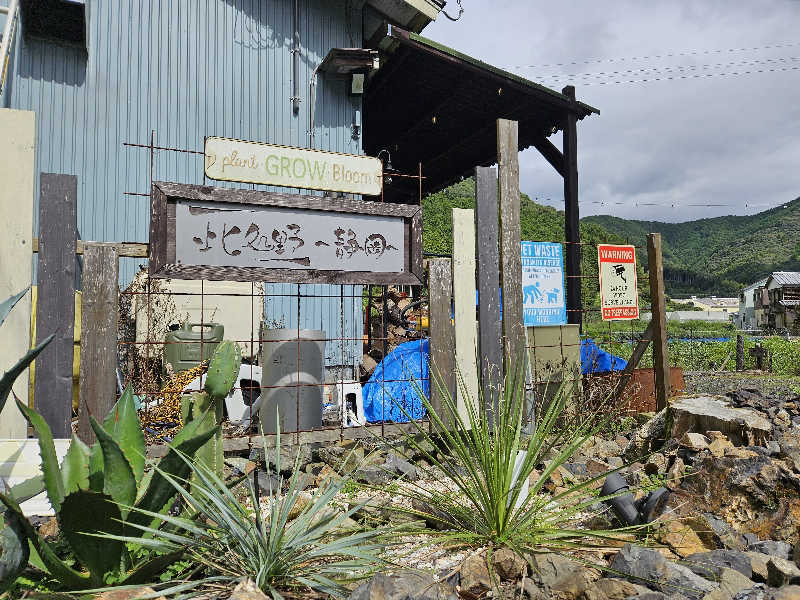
{"type": "Point", "coordinates": [8, 304]}
{"type": "Point", "coordinates": [10, 376]}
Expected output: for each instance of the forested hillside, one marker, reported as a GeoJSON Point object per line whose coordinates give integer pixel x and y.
{"type": "Point", "coordinates": [537, 223]}
{"type": "Point", "coordinates": [719, 255]}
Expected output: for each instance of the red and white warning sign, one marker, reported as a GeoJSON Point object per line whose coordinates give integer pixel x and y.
{"type": "Point", "coordinates": [619, 299]}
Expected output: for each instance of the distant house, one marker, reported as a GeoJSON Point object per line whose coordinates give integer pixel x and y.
{"type": "Point", "coordinates": [716, 304]}
{"type": "Point", "coordinates": [782, 294]}
{"type": "Point", "coordinates": [746, 318]}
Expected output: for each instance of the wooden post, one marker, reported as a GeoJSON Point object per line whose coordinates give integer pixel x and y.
{"type": "Point", "coordinates": [466, 333]}
{"type": "Point", "coordinates": [442, 336]}
{"type": "Point", "coordinates": [55, 306]}
{"type": "Point", "coordinates": [739, 353]}
{"type": "Point", "coordinates": [659, 320]}
{"type": "Point", "coordinates": [510, 253]}
{"type": "Point", "coordinates": [98, 335]}
{"type": "Point", "coordinates": [490, 329]}
{"type": "Point", "coordinates": [572, 230]}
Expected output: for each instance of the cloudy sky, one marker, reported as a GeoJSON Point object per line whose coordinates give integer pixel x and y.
{"type": "Point", "coordinates": [669, 150]}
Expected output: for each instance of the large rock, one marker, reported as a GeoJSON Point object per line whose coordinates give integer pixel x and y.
{"type": "Point", "coordinates": [129, 594]}
{"type": "Point", "coordinates": [773, 548]}
{"type": "Point", "coordinates": [403, 586]}
{"type": "Point", "coordinates": [680, 538]}
{"type": "Point", "coordinates": [248, 590]}
{"type": "Point", "coordinates": [757, 494]}
{"type": "Point", "coordinates": [646, 438]}
{"type": "Point", "coordinates": [711, 564]}
{"type": "Point", "coordinates": [560, 576]}
{"type": "Point", "coordinates": [474, 577]}
{"type": "Point", "coordinates": [700, 414]}
{"type": "Point", "coordinates": [730, 583]}
{"type": "Point", "coordinates": [762, 592]}
{"type": "Point", "coordinates": [508, 564]}
{"type": "Point", "coordinates": [650, 568]}
{"type": "Point", "coordinates": [782, 572]}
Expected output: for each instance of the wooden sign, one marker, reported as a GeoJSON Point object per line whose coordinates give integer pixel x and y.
{"type": "Point", "coordinates": [235, 160]}
{"type": "Point", "coordinates": [619, 298]}
{"type": "Point", "coordinates": [199, 232]}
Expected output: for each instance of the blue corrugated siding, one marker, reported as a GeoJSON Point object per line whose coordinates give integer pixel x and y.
{"type": "Point", "coordinates": [185, 69]}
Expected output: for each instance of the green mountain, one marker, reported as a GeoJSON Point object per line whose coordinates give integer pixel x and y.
{"type": "Point", "coordinates": [537, 223]}
{"type": "Point", "coordinates": [718, 255]}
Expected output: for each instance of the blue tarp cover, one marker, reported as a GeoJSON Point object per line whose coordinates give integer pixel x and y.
{"type": "Point", "coordinates": [596, 360]}
{"type": "Point", "coordinates": [396, 382]}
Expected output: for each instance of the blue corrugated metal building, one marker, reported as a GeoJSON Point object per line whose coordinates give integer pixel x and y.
{"type": "Point", "coordinates": [182, 70]}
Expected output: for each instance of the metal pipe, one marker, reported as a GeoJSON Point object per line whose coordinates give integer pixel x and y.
{"type": "Point", "coordinates": [311, 101]}
{"type": "Point", "coordinates": [8, 34]}
{"type": "Point", "coordinates": [296, 58]}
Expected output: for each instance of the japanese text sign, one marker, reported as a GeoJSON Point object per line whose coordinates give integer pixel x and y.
{"type": "Point", "coordinates": [619, 298]}
{"type": "Point", "coordinates": [199, 232]}
{"type": "Point", "coordinates": [269, 164]}
{"type": "Point", "coordinates": [543, 284]}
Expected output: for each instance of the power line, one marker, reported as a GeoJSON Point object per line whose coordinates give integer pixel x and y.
{"type": "Point", "coordinates": [659, 56]}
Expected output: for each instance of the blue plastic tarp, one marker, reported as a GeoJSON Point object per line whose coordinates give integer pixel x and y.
{"type": "Point", "coordinates": [396, 382]}
{"type": "Point", "coordinates": [596, 360]}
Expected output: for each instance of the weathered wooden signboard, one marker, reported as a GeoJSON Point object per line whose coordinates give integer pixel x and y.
{"type": "Point", "coordinates": [251, 162]}
{"type": "Point", "coordinates": [200, 232]}
{"type": "Point", "coordinates": [619, 298]}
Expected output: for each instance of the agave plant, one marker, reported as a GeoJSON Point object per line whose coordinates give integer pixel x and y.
{"type": "Point", "coordinates": [104, 490]}
{"type": "Point", "coordinates": [493, 494]}
{"type": "Point", "coordinates": [280, 552]}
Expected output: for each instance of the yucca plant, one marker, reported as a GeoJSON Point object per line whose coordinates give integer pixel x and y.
{"type": "Point", "coordinates": [229, 540]}
{"type": "Point", "coordinates": [493, 493]}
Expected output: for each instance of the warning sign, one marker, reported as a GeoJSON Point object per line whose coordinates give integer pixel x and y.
{"type": "Point", "coordinates": [619, 299]}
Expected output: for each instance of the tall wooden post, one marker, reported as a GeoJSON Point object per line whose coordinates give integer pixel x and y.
{"type": "Point", "coordinates": [490, 330]}
{"type": "Point", "coordinates": [659, 320]}
{"type": "Point", "coordinates": [466, 337]}
{"type": "Point", "coordinates": [572, 214]}
{"type": "Point", "coordinates": [739, 353]}
{"type": "Point", "coordinates": [510, 253]}
{"type": "Point", "coordinates": [55, 304]}
{"type": "Point", "coordinates": [442, 336]}
{"type": "Point", "coordinates": [98, 335]}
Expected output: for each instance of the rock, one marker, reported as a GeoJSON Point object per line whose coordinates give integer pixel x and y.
{"type": "Point", "coordinates": [615, 462]}
{"type": "Point", "coordinates": [651, 569]}
{"type": "Point", "coordinates": [603, 449]}
{"type": "Point", "coordinates": [267, 482]}
{"type": "Point", "coordinates": [240, 466]}
{"type": "Point", "coordinates": [560, 575]}
{"type": "Point", "coordinates": [719, 444]}
{"type": "Point", "coordinates": [675, 473]}
{"type": "Point", "coordinates": [508, 564]}
{"type": "Point", "coordinates": [410, 585]}
{"type": "Point", "coordinates": [773, 548]}
{"type": "Point", "coordinates": [368, 365]}
{"type": "Point", "coordinates": [304, 499]}
{"type": "Point", "coordinates": [700, 414]}
{"type": "Point", "coordinates": [656, 464]}
{"type": "Point", "coordinates": [773, 447]}
{"type": "Point", "coordinates": [611, 589]}
{"type": "Point", "coordinates": [644, 439]}
{"type": "Point", "coordinates": [621, 441]}
{"type": "Point", "coordinates": [680, 538]}
{"type": "Point", "coordinates": [796, 554]}
{"type": "Point", "coordinates": [373, 475]}
{"type": "Point", "coordinates": [731, 582]}
{"type": "Point", "coordinates": [326, 475]}
{"type": "Point", "coordinates": [400, 466]}
{"type": "Point", "coordinates": [474, 577]}
{"type": "Point", "coordinates": [711, 564]}
{"type": "Point", "coordinates": [247, 590]}
{"type": "Point", "coordinates": [715, 532]}
{"type": "Point", "coordinates": [433, 516]}
{"type": "Point", "coordinates": [129, 594]}
{"type": "Point", "coordinates": [782, 572]}
{"type": "Point", "coordinates": [49, 529]}
{"type": "Point", "coordinates": [758, 562]}
{"type": "Point", "coordinates": [694, 441]}
{"type": "Point", "coordinates": [762, 592]}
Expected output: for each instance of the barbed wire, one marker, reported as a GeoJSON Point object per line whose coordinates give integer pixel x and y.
{"type": "Point", "coordinates": [589, 61]}
{"type": "Point", "coordinates": [767, 205]}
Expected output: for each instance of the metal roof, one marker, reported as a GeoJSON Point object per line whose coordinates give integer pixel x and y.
{"type": "Point", "coordinates": [433, 105]}
{"type": "Point", "coordinates": [785, 278]}
{"type": "Point", "coordinates": [789, 302]}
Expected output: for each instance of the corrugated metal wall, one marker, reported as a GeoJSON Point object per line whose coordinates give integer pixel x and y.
{"type": "Point", "coordinates": [185, 69]}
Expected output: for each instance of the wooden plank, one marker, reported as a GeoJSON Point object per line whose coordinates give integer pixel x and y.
{"type": "Point", "coordinates": [442, 336]}
{"type": "Point", "coordinates": [124, 249]}
{"type": "Point", "coordinates": [55, 310]}
{"type": "Point", "coordinates": [659, 320]}
{"type": "Point", "coordinates": [466, 334]}
{"type": "Point", "coordinates": [636, 356]}
{"type": "Point", "coordinates": [98, 383]}
{"type": "Point", "coordinates": [572, 233]}
{"type": "Point", "coordinates": [490, 329]}
{"type": "Point", "coordinates": [510, 254]}
{"type": "Point", "coordinates": [17, 191]}
{"type": "Point", "coordinates": [552, 154]}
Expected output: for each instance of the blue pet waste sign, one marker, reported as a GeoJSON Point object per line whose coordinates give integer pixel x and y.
{"type": "Point", "coordinates": [543, 284]}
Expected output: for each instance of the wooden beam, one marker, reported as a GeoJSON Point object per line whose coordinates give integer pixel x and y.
{"type": "Point", "coordinates": [510, 253]}
{"type": "Point", "coordinates": [98, 383]}
{"type": "Point", "coordinates": [490, 329]}
{"type": "Point", "coordinates": [124, 249]}
{"type": "Point", "coordinates": [552, 154]}
{"type": "Point", "coordinates": [55, 310]}
{"type": "Point", "coordinates": [572, 230]}
{"type": "Point", "coordinates": [442, 336]}
{"type": "Point", "coordinates": [659, 320]}
{"type": "Point", "coordinates": [636, 357]}
{"type": "Point", "coordinates": [466, 334]}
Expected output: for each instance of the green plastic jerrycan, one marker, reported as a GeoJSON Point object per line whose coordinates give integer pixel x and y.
{"type": "Point", "coordinates": [190, 344]}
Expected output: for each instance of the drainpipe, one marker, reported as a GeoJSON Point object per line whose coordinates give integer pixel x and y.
{"type": "Point", "coordinates": [312, 86]}
{"type": "Point", "coordinates": [12, 13]}
{"type": "Point", "coordinates": [296, 58]}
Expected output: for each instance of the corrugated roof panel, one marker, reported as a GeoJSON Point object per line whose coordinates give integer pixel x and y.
{"type": "Point", "coordinates": [786, 277]}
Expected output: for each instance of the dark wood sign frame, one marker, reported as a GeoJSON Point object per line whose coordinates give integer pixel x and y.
{"type": "Point", "coordinates": [162, 263]}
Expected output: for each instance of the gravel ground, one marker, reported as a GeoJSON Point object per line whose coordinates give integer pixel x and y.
{"type": "Point", "coordinates": [711, 382]}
